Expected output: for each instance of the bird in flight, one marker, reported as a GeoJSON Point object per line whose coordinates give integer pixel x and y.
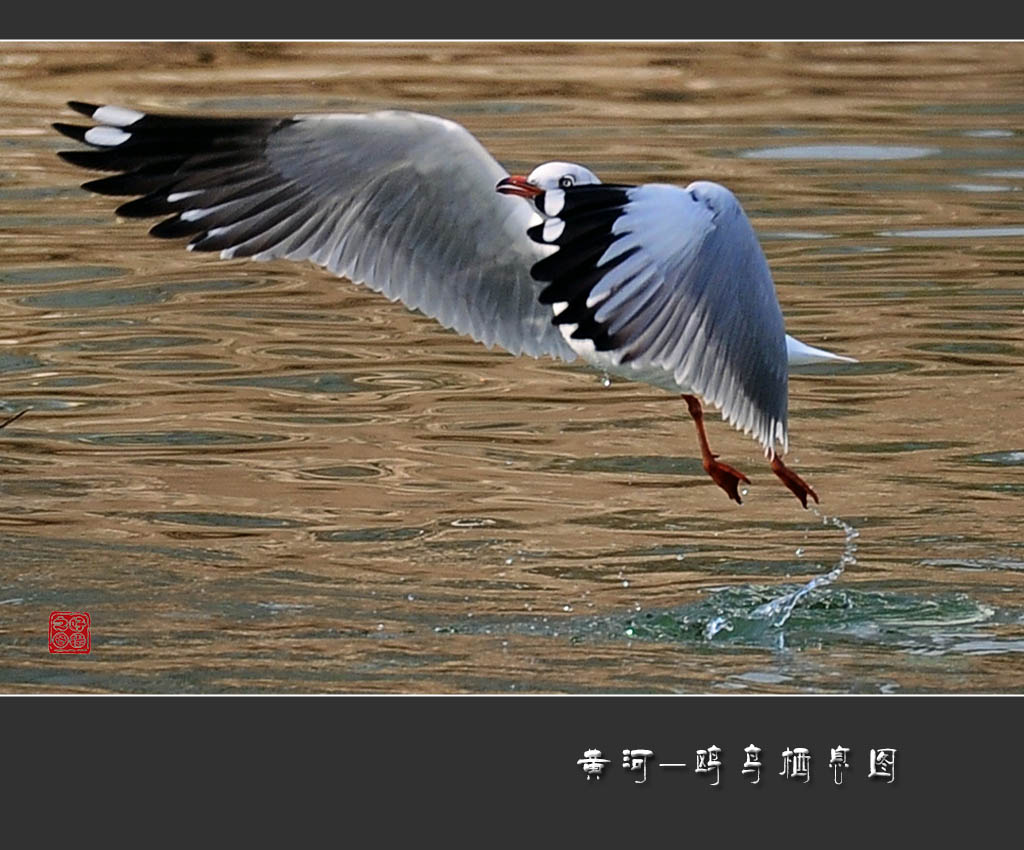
{"type": "Point", "coordinates": [656, 283]}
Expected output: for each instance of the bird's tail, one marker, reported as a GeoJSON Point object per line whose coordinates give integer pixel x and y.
{"type": "Point", "coordinates": [802, 354]}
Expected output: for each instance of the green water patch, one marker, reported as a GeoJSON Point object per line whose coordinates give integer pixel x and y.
{"type": "Point", "coordinates": [172, 439]}
{"type": "Point", "coordinates": [1007, 458]}
{"type": "Point", "coordinates": [749, 617]}
{"type": "Point", "coordinates": [59, 274]}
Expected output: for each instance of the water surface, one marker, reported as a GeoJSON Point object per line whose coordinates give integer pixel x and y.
{"type": "Point", "coordinates": [257, 477]}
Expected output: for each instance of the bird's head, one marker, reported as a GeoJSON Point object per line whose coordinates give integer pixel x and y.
{"type": "Point", "coordinates": [546, 178]}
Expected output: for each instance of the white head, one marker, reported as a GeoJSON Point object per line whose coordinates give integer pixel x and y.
{"type": "Point", "coordinates": [561, 175]}
{"type": "Point", "coordinates": [546, 178]}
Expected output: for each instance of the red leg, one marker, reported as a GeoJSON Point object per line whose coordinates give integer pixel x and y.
{"type": "Point", "coordinates": [721, 473]}
{"type": "Point", "coordinates": [800, 488]}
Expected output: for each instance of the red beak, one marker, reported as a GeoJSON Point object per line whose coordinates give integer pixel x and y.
{"type": "Point", "coordinates": [517, 185]}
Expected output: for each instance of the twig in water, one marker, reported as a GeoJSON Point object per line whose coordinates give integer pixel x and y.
{"type": "Point", "coordinates": [10, 419]}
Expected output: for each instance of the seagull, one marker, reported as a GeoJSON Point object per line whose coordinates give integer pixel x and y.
{"type": "Point", "coordinates": [657, 283]}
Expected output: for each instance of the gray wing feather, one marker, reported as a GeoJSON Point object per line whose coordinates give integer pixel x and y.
{"type": "Point", "coordinates": [697, 300]}
{"type": "Point", "coordinates": [407, 206]}
{"type": "Point", "coordinates": [402, 202]}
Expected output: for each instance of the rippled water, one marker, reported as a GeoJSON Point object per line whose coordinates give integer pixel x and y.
{"type": "Point", "coordinates": [258, 477]}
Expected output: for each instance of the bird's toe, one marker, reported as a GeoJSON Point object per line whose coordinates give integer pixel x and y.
{"type": "Point", "coordinates": [726, 477]}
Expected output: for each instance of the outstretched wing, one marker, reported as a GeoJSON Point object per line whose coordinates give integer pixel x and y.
{"type": "Point", "coordinates": [671, 279]}
{"type": "Point", "coordinates": [402, 202]}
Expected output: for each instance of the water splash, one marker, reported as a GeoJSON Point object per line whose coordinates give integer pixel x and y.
{"type": "Point", "coordinates": [716, 625]}
{"type": "Point", "coordinates": [784, 605]}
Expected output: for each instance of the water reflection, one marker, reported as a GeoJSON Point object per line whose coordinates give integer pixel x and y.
{"type": "Point", "coordinates": [256, 477]}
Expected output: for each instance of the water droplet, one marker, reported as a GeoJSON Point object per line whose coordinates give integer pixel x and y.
{"type": "Point", "coordinates": [509, 561]}
{"type": "Point", "coordinates": [567, 607]}
{"type": "Point", "coordinates": [380, 627]}
{"type": "Point", "coordinates": [606, 381]}
{"type": "Point", "coordinates": [411, 598]}
{"type": "Point", "coordinates": [625, 583]}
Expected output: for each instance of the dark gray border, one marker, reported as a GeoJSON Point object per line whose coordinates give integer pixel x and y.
{"type": "Point", "coordinates": [515, 21]}
{"type": "Point", "coordinates": [434, 767]}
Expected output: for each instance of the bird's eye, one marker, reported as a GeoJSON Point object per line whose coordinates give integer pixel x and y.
{"type": "Point", "coordinates": [566, 181]}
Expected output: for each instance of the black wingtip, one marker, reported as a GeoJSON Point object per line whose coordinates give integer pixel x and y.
{"type": "Point", "coordinates": [82, 159]}
{"type": "Point", "coordinates": [175, 228]}
{"type": "Point", "coordinates": [84, 108]}
{"type": "Point", "coordinates": [73, 131]}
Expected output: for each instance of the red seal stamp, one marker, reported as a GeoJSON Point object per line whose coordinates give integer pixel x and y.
{"type": "Point", "coordinates": [69, 631]}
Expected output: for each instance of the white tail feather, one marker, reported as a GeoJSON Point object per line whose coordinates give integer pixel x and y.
{"type": "Point", "coordinates": [802, 354]}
